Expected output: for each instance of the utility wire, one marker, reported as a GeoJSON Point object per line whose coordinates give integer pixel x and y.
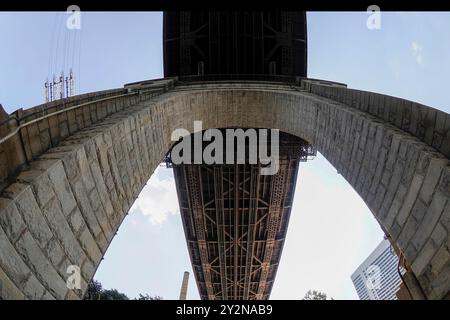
{"type": "Point", "coordinates": [52, 47]}
{"type": "Point", "coordinates": [79, 54]}
{"type": "Point", "coordinates": [59, 27]}
{"type": "Point", "coordinates": [65, 56]}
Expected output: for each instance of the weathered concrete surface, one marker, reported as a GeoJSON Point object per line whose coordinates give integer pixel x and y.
{"type": "Point", "coordinates": [66, 206]}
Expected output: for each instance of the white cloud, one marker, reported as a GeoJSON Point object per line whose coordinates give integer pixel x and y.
{"type": "Point", "coordinates": [158, 199]}
{"type": "Point", "coordinates": [417, 51]}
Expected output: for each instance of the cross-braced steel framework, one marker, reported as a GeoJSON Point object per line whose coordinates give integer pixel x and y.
{"type": "Point", "coordinates": [235, 221]}
{"type": "Point", "coordinates": [235, 42]}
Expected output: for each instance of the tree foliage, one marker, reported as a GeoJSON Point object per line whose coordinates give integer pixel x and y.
{"type": "Point", "coordinates": [147, 297]}
{"type": "Point", "coordinates": [95, 291]}
{"type": "Point", "coordinates": [315, 295]}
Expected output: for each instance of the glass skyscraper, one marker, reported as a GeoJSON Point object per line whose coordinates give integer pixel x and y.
{"type": "Point", "coordinates": [377, 277]}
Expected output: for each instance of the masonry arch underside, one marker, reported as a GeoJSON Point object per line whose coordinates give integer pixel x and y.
{"type": "Point", "coordinates": [66, 207]}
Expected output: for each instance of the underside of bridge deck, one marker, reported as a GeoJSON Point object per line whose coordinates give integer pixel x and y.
{"type": "Point", "coordinates": [235, 221]}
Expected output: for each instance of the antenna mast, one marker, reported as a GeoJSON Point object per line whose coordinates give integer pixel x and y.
{"type": "Point", "coordinates": [46, 85]}
{"type": "Point", "coordinates": [61, 85]}
{"type": "Point", "coordinates": [66, 87]}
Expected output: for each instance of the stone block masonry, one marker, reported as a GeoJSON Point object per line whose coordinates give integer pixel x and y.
{"type": "Point", "coordinates": [66, 193]}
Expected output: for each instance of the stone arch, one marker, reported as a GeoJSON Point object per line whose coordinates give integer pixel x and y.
{"type": "Point", "coordinates": [65, 207]}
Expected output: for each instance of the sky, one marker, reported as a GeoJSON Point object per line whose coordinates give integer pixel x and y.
{"type": "Point", "coordinates": [331, 230]}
